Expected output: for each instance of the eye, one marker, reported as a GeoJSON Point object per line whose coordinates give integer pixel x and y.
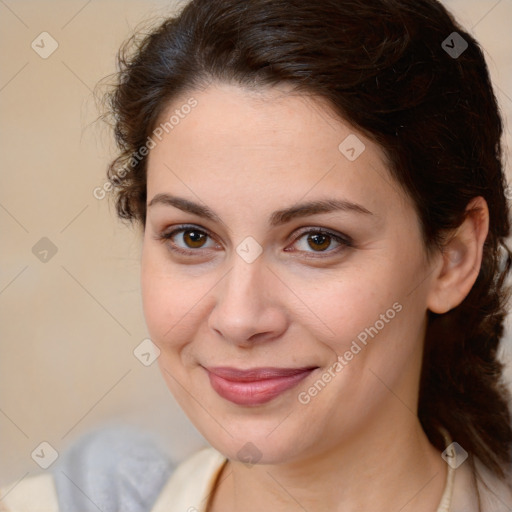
{"type": "Point", "coordinates": [189, 240]}
{"type": "Point", "coordinates": [320, 241]}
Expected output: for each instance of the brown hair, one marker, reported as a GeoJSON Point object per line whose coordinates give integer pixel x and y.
{"type": "Point", "coordinates": [382, 65]}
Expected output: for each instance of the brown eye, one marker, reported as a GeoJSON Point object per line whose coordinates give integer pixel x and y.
{"type": "Point", "coordinates": [319, 241]}
{"type": "Point", "coordinates": [193, 238]}
{"type": "Point", "coordinates": [187, 240]}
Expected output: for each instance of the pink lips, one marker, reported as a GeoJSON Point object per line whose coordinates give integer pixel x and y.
{"type": "Point", "coordinates": [255, 386]}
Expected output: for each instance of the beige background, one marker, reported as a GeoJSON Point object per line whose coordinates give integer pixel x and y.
{"type": "Point", "coordinates": [69, 326]}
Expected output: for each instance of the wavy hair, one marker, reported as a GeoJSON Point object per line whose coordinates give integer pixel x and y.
{"type": "Point", "coordinates": [385, 67]}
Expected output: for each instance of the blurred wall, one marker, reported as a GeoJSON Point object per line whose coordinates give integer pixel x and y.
{"type": "Point", "coordinates": [70, 310]}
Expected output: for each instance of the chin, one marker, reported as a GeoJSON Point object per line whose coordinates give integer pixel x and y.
{"type": "Point", "coordinates": [256, 447]}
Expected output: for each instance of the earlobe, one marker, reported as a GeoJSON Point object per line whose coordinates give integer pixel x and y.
{"type": "Point", "coordinates": [461, 258]}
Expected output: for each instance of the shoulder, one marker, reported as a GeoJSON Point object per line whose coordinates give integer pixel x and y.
{"type": "Point", "coordinates": [474, 486]}
{"type": "Point", "coordinates": [111, 469]}
{"type": "Point", "coordinates": [31, 494]}
{"type": "Point", "coordinates": [192, 482]}
{"type": "Point", "coordinates": [495, 493]}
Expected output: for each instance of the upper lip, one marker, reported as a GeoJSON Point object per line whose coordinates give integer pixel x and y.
{"type": "Point", "coordinates": [253, 374]}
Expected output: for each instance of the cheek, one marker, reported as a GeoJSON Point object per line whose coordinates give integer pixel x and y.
{"type": "Point", "coordinates": [173, 299]}
{"type": "Point", "coordinates": [157, 305]}
{"type": "Point", "coordinates": [162, 296]}
{"type": "Point", "coordinates": [342, 309]}
{"type": "Point", "coordinates": [368, 320]}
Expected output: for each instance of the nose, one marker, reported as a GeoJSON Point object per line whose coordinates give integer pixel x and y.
{"type": "Point", "coordinates": [249, 306]}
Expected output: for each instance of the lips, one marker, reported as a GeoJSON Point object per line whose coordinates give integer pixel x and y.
{"type": "Point", "coordinates": [254, 386]}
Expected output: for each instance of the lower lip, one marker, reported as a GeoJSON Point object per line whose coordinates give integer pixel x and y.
{"type": "Point", "coordinates": [257, 392]}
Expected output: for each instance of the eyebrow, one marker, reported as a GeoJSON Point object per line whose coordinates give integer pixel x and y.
{"type": "Point", "coordinates": [277, 218]}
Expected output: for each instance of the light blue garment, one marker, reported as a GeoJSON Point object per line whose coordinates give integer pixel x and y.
{"type": "Point", "coordinates": [112, 469]}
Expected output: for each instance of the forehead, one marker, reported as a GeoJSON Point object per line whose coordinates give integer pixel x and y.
{"type": "Point", "coordinates": [230, 119]}
{"type": "Point", "coordinates": [241, 144]}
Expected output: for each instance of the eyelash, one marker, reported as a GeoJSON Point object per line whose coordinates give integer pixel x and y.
{"type": "Point", "coordinates": [344, 241]}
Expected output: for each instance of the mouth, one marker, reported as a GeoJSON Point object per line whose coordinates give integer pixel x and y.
{"type": "Point", "coordinates": [255, 386]}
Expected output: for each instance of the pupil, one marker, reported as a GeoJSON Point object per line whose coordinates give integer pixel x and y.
{"type": "Point", "coordinates": [319, 240]}
{"type": "Point", "coordinates": [195, 237]}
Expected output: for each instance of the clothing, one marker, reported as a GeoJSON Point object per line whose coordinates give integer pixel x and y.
{"type": "Point", "coordinates": [113, 469]}
{"type": "Point", "coordinates": [192, 483]}
{"type": "Point", "coordinates": [138, 480]}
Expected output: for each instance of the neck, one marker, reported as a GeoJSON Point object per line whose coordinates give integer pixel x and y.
{"type": "Point", "coordinates": [386, 466]}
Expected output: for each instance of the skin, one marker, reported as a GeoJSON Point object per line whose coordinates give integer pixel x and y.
{"type": "Point", "coordinates": [357, 444]}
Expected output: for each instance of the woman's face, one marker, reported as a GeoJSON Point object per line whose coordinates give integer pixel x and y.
{"type": "Point", "coordinates": [277, 241]}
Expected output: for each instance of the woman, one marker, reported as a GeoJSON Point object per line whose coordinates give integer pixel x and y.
{"type": "Point", "coordinates": [321, 192]}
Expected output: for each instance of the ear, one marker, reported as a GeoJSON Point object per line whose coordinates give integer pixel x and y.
{"type": "Point", "coordinates": [460, 259]}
